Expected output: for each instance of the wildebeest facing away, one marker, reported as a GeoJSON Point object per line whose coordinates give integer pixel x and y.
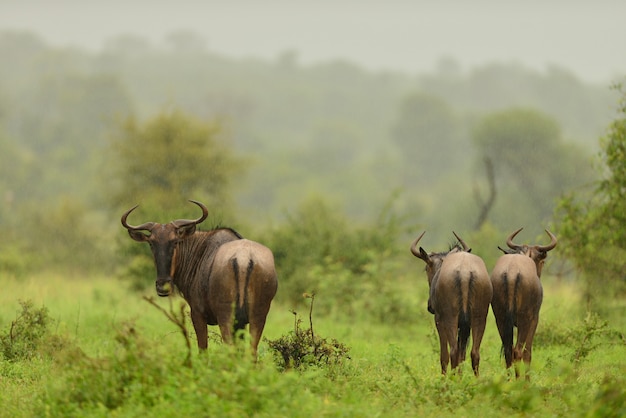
{"type": "Point", "coordinates": [460, 293]}
{"type": "Point", "coordinates": [218, 273]}
{"type": "Point", "coordinates": [517, 297]}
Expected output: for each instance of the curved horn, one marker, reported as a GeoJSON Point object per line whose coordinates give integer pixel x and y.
{"type": "Point", "coordinates": [549, 246]}
{"type": "Point", "coordinates": [414, 250]}
{"type": "Point", "coordinates": [465, 247]}
{"type": "Point", "coordinates": [510, 243]}
{"type": "Point", "coordinates": [143, 227]}
{"type": "Point", "coordinates": [183, 222]}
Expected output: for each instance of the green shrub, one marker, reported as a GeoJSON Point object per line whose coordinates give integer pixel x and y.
{"type": "Point", "coordinates": [28, 335]}
{"type": "Point", "coordinates": [15, 260]}
{"type": "Point", "coordinates": [581, 338]}
{"type": "Point", "coordinates": [302, 348]}
{"type": "Point", "coordinates": [144, 379]}
{"type": "Point", "coordinates": [353, 268]}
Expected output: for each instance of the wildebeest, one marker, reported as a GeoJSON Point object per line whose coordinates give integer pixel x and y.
{"type": "Point", "coordinates": [517, 297]}
{"type": "Point", "coordinates": [460, 293]}
{"type": "Point", "coordinates": [227, 280]}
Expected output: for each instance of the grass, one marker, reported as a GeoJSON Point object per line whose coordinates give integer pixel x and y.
{"type": "Point", "coordinates": [123, 358]}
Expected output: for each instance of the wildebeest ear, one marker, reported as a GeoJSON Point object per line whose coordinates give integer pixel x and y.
{"type": "Point", "coordinates": [137, 235]}
{"type": "Point", "coordinates": [186, 230]}
{"type": "Point", "coordinates": [424, 255]}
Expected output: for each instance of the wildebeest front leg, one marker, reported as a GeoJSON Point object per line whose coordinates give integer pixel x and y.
{"type": "Point", "coordinates": [200, 326]}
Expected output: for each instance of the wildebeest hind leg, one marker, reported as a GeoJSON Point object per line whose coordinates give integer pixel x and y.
{"type": "Point", "coordinates": [444, 355]}
{"type": "Point", "coordinates": [527, 354]}
{"type": "Point", "coordinates": [225, 317]}
{"type": "Point", "coordinates": [478, 330]}
{"type": "Point", "coordinates": [521, 351]}
{"type": "Point", "coordinates": [256, 330]}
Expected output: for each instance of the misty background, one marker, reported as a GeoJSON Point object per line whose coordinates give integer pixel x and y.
{"type": "Point", "coordinates": [406, 36]}
{"type": "Point", "coordinates": [462, 117]}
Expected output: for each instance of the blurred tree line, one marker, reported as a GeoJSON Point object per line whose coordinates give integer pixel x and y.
{"type": "Point", "coordinates": [360, 161]}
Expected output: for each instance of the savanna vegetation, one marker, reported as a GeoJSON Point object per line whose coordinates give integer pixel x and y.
{"type": "Point", "coordinates": [335, 169]}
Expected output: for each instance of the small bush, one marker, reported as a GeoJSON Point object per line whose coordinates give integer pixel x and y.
{"type": "Point", "coordinates": [301, 348]}
{"type": "Point", "coordinates": [28, 335]}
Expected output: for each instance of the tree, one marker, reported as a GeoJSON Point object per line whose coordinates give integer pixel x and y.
{"type": "Point", "coordinates": [591, 225]}
{"type": "Point", "coordinates": [532, 165]}
{"type": "Point", "coordinates": [170, 159]}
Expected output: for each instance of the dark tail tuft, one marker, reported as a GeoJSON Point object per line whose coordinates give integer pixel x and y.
{"type": "Point", "coordinates": [509, 322]}
{"type": "Point", "coordinates": [464, 332]}
{"type": "Point", "coordinates": [241, 309]}
{"type": "Point", "coordinates": [507, 337]}
{"type": "Point", "coordinates": [464, 319]}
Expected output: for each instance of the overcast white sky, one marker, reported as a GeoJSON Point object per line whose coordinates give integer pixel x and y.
{"type": "Point", "coordinates": [586, 37]}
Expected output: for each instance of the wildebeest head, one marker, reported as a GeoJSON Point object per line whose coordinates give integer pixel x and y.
{"type": "Point", "coordinates": [537, 253]}
{"type": "Point", "coordinates": [163, 240]}
{"type": "Point", "coordinates": [433, 260]}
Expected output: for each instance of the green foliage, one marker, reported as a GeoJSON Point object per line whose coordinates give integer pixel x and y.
{"type": "Point", "coordinates": [610, 400]}
{"type": "Point", "coordinates": [141, 378]}
{"type": "Point", "coordinates": [108, 383]}
{"type": "Point", "coordinates": [29, 336]}
{"type": "Point", "coordinates": [352, 268]}
{"type": "Point", "coordinates": [484, 243]}
{"type": "Point", "coordinates": [127, 361]}
{"type": "Point", "coordinates": [169, 159]}
{"type": "Point", "coordinates": [582, 337]}
{"type": "Point", "coordinates": [302, 348]}
{"type": "Point", "coordinates": [532, 164]}
{"type": "Point", "coordinates": [15, 261]}
{"type": "Point", "coordinates": [591, 224]}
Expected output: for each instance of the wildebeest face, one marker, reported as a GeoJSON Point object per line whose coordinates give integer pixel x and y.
{"type": "Point", "coordinates": [163, 240]}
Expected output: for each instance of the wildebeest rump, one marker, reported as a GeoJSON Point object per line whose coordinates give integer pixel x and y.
{"type": "Point", "coordinates": [227, 280]}
{"type": "Point", "coordinates": [460, 293]}
{"type": "Point", "coordinates": [517, 297]}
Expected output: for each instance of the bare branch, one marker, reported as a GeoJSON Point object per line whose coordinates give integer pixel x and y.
{"type": "Point", "coordinates": [486, 205]}
{"type": "Point", "coordinates": [178, 320]}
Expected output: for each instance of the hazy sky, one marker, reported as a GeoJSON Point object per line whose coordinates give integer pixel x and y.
{"type": "Point", "coordinates": [586, 37]}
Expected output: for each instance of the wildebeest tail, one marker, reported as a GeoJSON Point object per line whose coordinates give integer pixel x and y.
{"type": "Point", "coordinates": [509, 321]}
{"type": "Point", "coordinates": [464, 331]}
{"type": "Point", "coordinates": [241, 306]}
{"type": "Point", "coordinates": [465, 318]}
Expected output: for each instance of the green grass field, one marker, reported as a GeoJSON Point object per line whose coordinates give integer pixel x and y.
{"type": "Point", "coordinates": [109, 353]}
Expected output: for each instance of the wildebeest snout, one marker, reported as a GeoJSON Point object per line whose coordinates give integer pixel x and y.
{"type": "Point", "coordinates": [164, 286]}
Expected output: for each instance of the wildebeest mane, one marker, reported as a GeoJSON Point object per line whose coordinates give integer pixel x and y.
{"type": "Point", "coordinates": [203, 245]}
{"type": "Point", "coordinates": [218, 227]}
